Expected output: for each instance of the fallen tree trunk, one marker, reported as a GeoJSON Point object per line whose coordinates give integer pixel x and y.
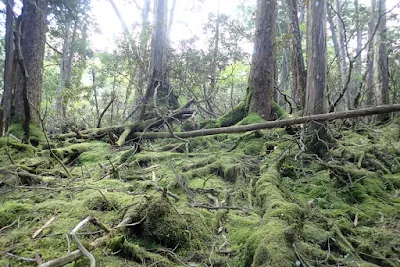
{"type": "Point", "coordinates": [274, 124]}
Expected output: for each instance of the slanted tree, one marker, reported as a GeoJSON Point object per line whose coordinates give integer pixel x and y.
{"type": "Point", "coordinates": [9, 69]}
{"type": "Point", "coordinates": [316, 133]}
{"type": "Point", "coordinates": [262, 74]}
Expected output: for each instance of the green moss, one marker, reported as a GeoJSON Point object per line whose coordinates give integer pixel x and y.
{"type": "Point", "coordinates": [251, 119]}
{"type": "Point", "coordinates": [84, 153]}
{"type": "Point", "coordinates": [232, 117]}
{"type": "Point", "coordinates": [132, 251]}
{"type": "Point", "coordinates": [314, 234]}
{"type": "Point", "coordinates": [10, 211]}
{"type": "Point", "coordinates": [270, 245]}
{"type": "Point", "coordinates": [36, 134]}
{"type": "Point", "coordinates": [102, 204]}
{"type": "Point", "coordinates": [279, 112]}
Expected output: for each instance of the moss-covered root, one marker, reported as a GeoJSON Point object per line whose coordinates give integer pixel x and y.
{"type": "Point", "coordinates": [136, 253]}
{"type": "Point", "coordinates": [271, 245]}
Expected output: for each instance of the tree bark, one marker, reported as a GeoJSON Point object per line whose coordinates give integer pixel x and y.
{"type": "Point", "coordinates": [342, 53]}
{"type": "Point", "coordinates": [262, 73]}
{"type": "Point", "coordinates": [370, 57]}
{"type": "Point", "coordinates": [316, 133]}
{"type": "Point", "coordinates": [33, 39]}
{"type": "Point", "coordinates": [5, 105]}
{"type": "Point", "coordinates": [381, 61]}
{"type": "Point", "coordinates": [299, 74]}
{"type": "Point", "coordinates": [355, 91]}
{"type": "Point", "coordinates": [163, 96]}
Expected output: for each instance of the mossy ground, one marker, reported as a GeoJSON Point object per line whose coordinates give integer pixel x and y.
{"type": "Point", "coordinates": [274, 205]}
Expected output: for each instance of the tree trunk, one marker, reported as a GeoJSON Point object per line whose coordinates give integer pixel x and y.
{"type": "Point", "coordinates": [158, 87]}
{"type": "Point", "coordinates": [342, 53]}
{"type": "Point", "coordinates": [94, 87]}
{"type": "Point", "coordinates": [316, 133]}
{"type": "Point", "coordinates": [5, 106]}
{"type": "Point", "coordinates": [283, 80]}
{"type": "Point", "coordinates": [299, 74]}
{"type": "Point", "coordinates": [33, 33]}
{"type": "Point", "coordinates": [381, 67]}
{"type": "Point", "coordinates": [355, 91]}
{"type": "Point", "coordinates": [214, 61]}
{"type": "Point", "coordinates": [63, 67]}
{"type": "Point", "coordinates": [370, 57]}
{"type": "Point", "coordinates": [262, 73]}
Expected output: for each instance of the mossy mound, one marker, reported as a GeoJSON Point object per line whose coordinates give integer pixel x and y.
{"type": "Point", "coordinates": [163, 224]}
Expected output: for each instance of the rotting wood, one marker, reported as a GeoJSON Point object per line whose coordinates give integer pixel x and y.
{"type": "Point", "coordinates": [275, 124]}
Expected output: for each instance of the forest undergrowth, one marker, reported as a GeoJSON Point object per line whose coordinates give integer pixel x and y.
{"type": "Point", "coordinates": [251, 199]}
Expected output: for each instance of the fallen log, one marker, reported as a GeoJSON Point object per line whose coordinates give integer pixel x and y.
{"type": "Point", "coordinates": [274, 124]}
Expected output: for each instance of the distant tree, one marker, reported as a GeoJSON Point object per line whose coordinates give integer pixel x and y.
{"type": "Point", "coordinates": [316, 133]}
{"type": "Point", "coordinates": [260, 97]}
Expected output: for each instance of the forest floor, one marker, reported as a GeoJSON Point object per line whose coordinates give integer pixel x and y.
{"type": "Point", "coordinates": [251, 199]}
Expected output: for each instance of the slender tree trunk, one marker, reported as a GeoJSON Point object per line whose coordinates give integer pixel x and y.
{"type": "Point", "coordinates": [381, 67]}
{"type": "Point", "coordinates": [299, 74]}
{"type": "Point", "coordinates": [358, 65]}
{"type": "Point", "coordinates": [171, 19]}
{"type": "Point", "coordinates": [370, 57]}
{"type": "Point", "coordinates": [63, 67]}
{"type": "Point", "coordinates": [283, 80]}
{"type": "Point", "coordinates": [316, 134]}
{"type": "Point", "coordinates": [143, 48]}
{"type": "Point", "coordinates": [262, 72]}
{"type": "Point", "coordinates": [5, 105]}
{"type": "Point", "coordinates": [33, 33]}
{"type": "Point", "coordinates": [94, 87]}
{"type": "Point", "coordinates": [214, 61]}
{"type": "Point", "coordinates": [342, 53]}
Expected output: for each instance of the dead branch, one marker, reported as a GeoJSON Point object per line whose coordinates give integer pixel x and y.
{"type": "Point", "coordinates": [8, 254]}
{"type": "Point", "coordinates": [104, 112]}
{"type": "Point", "coordinates": [79, 244]}
{"type": "Point", "coordinates": [276, 124]}
{"type": "Point", "coordinates": [37, 232]}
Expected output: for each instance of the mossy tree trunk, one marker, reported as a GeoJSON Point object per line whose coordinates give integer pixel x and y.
{"type": "Point", "coordinates": [316, 133]}
{"type": "Point", "coordinates": [262, 74]}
